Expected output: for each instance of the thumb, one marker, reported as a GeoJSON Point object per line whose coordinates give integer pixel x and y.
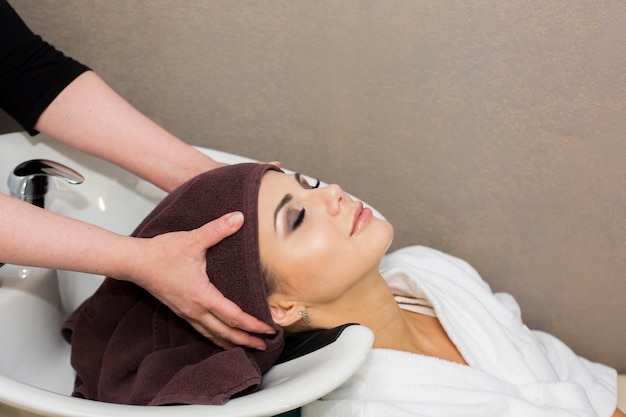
{"type": "Point", "coordinates": [218, 229]}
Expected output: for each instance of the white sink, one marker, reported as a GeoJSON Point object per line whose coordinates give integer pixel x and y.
{"type": "Point", "coordinates": [36, 378]}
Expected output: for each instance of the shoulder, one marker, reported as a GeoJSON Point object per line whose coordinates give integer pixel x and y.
{"type": "Point", "coordinates": [13, 30]}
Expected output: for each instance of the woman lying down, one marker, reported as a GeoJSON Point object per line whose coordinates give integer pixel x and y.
{"type": "Point", "coordinates": [313, 258]}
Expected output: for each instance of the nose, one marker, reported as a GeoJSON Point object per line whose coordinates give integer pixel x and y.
{"type": "Point", "coordinates": [334, 197]}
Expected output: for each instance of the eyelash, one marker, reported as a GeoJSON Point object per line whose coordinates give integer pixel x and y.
{"type": "Point", "coordinates": [305, 184]}
{"type": "Point", "coordinates": [298, 220]}
{"type": "Point", "coordinates": [317, 184]}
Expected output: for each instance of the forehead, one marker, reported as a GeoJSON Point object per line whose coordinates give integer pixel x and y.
{"type": "Point", "coordinates": [273, 184]}
{"type": "Point", "coordinates": [277, 178]}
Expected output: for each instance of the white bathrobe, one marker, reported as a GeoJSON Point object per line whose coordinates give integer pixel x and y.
{"type": "Point", "coordinates": [513, 371]}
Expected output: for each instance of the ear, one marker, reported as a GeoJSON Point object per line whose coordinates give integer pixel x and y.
{"type": "Point", "coordinates": [285, 312]}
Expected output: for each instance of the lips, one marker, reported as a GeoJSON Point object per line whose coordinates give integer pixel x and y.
{"type": "Point", "coordinates": [361, 216]}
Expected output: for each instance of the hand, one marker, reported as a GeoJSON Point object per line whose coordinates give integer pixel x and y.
{"type": "Point", "coordinates": [275, 163]}
{"type": "Point", "coordinates": [176, 275]}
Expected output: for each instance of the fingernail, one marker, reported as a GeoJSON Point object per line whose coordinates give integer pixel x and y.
{"type": "Point", "coordinates": [271, 331]}
{"type": "Point", "coordinates": [235, 219]}
{"type": "Point", "coordinates": [261, 348]}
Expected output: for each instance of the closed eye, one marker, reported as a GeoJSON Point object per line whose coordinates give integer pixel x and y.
{"type": "Point", "coordinates": [298, 218]}
{"type": "Point", "coordinates": [305, 183]}
{"type": "Point", "coordinates": [298, 221]}
{"type": "Point", "coordinates": [301, 214]}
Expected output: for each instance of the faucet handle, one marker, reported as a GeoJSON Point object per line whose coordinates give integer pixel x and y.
{"type": "Point", "coordinates": [29, 180]}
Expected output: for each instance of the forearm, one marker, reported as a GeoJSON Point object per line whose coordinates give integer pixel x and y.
{"type": "Point", "coordinates": [90, 116]}
{"type": "Point", "coordinates": [35, 237]}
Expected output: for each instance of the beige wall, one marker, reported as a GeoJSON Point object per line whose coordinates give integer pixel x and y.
{"type": "Point", "coordinates": [491, 130]}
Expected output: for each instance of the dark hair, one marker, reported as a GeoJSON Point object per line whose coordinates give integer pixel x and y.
{"type": "Point", "coordinates": [270, 280]}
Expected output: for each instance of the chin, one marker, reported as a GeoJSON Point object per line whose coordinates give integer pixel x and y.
{"type": "Point", "coordinates": [390, 238]}
{"type": "Point", "coordinates": [384, 235]}
{"type": "Point", "coordinates": [390, 241]}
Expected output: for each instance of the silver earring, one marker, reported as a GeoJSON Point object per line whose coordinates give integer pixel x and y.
{"type": "Point", "coordinates": [305, 317]}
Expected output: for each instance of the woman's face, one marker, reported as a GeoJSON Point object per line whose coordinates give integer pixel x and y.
{"type": "Point", "coordinates": [319, 242]}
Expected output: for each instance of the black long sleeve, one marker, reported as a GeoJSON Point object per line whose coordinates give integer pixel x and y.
{"type": "Point", "coordinates": [32, 72]}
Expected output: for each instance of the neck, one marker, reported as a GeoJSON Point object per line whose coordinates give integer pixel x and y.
{"type": "Point", "coordinates": [372, 306]}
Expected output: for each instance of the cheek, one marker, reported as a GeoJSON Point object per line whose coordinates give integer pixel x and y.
{"type": "Point", "coordinates": [382, 236]}
{"type": "Point", "coordinates": [317, 266]}
{"type": "Point", "coordinates": [311, 267]}
{"type": "Point", "coordinates": [310, 257]}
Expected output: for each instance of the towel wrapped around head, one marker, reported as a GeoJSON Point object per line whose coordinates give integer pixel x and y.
{"type": "Point", "coordinates": [129, 348]}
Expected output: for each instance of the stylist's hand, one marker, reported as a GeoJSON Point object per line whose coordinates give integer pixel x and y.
{"type": "Point", "coordinates": [176, 275]}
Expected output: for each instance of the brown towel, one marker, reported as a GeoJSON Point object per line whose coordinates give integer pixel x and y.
{"type": "Point", "coordinates": [128, 348]}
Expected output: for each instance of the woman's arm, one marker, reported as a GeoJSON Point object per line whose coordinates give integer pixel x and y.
{"type": "Point", "coordinates": [40, 86]}
{"type": "Point", "coordinates": [170, 266]}
{"type": "Point", "coordinates": [88, 115]}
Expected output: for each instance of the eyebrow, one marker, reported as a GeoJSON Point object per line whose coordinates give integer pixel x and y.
{"type": "Point", "coordinates": [287, 198]}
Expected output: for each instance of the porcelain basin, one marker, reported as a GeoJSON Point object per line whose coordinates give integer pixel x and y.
{"type": "Point", "coordinates": [36, 378]}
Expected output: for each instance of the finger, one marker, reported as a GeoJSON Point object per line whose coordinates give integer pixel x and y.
{"type": "Point", "coordinates": [218, 229]}
{"type": "Point", "coordinates": [275, 163]}
{"type": "Point", "coordinates": [234, 317]}
{"type": "Point", "coordinates": [231, 315]}
{"type": "Point", "coordinates": [225, 320]}
{"type": "Point", "coordinates": [227, 337]}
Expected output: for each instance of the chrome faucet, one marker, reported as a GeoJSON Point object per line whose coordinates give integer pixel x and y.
{"type": "Point", "coordinates": [29, 180]}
